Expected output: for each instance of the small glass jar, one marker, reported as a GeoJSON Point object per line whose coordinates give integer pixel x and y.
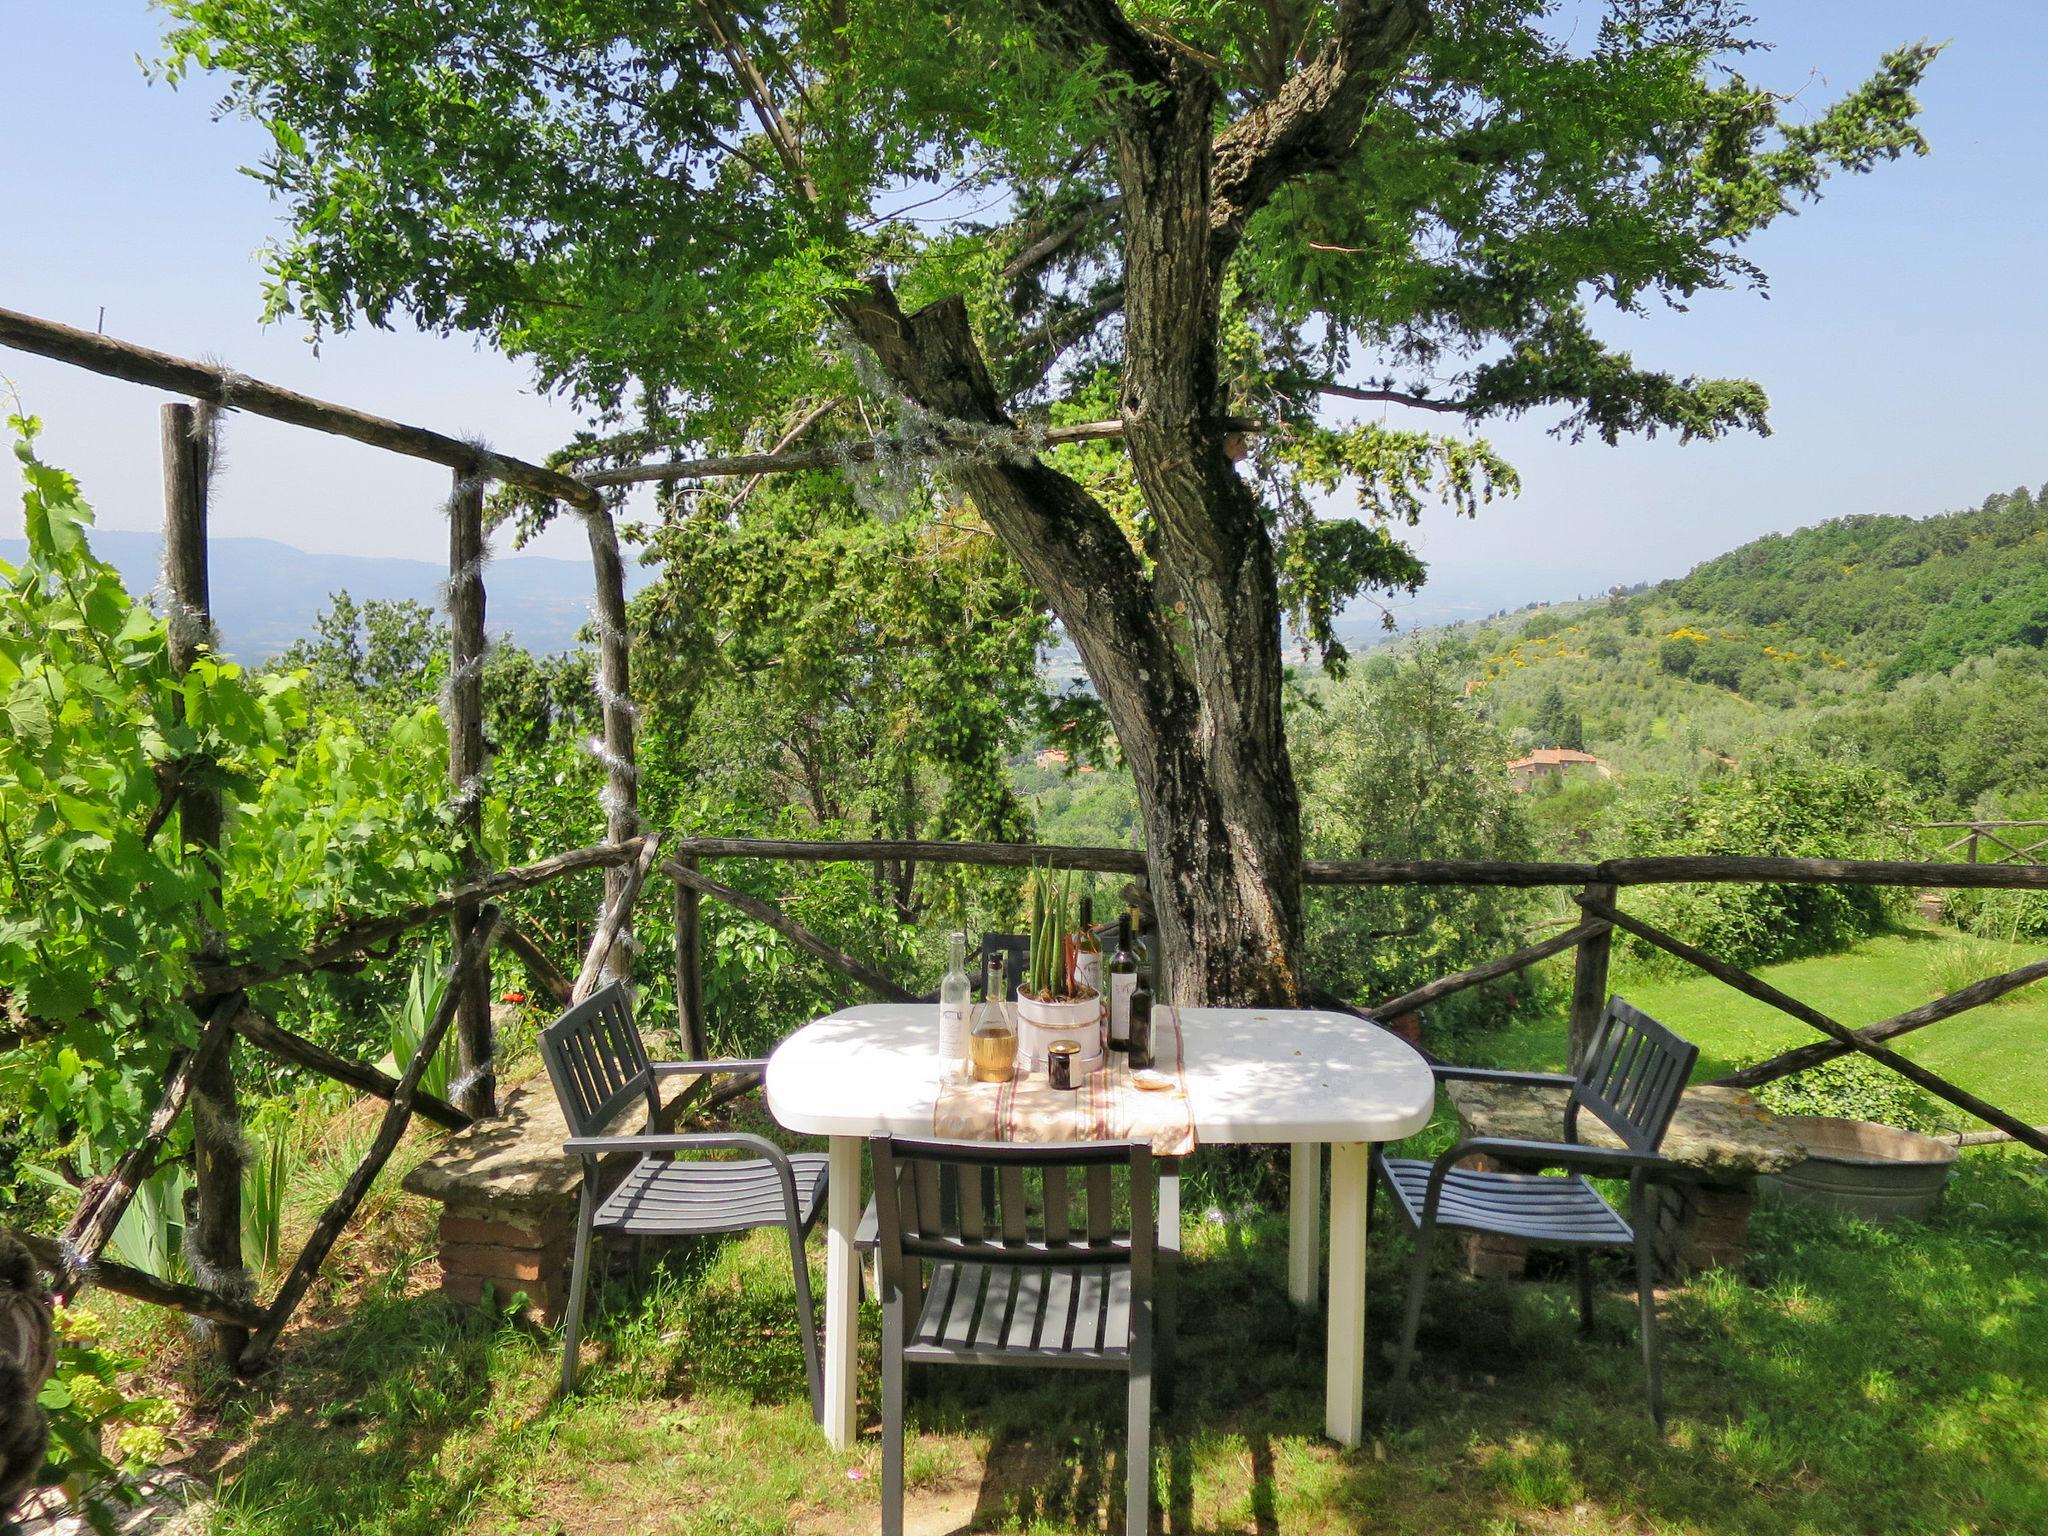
{"type": "Point", "coordinates": [1063, 1064]}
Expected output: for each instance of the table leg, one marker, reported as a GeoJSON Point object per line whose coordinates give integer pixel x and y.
{"type": "Point", "coordinates": [1304, 1222]}
{"type": "Point", "coordinates": [842, 1293]}
{"type": "Point", "coordinates": [1344, 1389]}
{"type": "Point", "coordinates": [1166, 1313]}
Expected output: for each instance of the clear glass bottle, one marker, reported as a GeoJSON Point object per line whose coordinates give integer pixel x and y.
{"type": "Point", "coordinates": [955, 994]}
{"type": "Point", "coordinates": [1123, 980]}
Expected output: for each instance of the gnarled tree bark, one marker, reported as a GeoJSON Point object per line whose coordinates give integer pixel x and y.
{"type": "Point", "coordinates": [1187, 661]}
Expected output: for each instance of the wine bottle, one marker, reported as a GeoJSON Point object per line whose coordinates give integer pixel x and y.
{"type": "Point", "coordinates": [1087, 950]}
{"type": "Point", "coordinates": [955, 992]}
{"type": "Point", "coordinates": [1140, 1045]}
{"type": "Point", "coordinates": [1123, 980]}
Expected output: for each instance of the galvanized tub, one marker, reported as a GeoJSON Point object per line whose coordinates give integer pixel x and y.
{"type": "Point", "coordinates": [1877, 1172]}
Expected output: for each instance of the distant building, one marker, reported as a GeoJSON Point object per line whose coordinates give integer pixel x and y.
{"type": "Point", "coordinates": [1052, 757]}
{"type": "Point", "coordinates": [1555, 763]}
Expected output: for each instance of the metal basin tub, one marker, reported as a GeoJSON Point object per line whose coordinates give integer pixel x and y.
{"type": "Point", "coordinates": [1877, 1172]}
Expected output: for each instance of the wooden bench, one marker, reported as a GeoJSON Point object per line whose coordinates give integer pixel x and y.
{"type": "Point", "coordinates": [1720, 1139]}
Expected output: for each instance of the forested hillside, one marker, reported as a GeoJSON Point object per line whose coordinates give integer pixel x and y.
{"type": "Point", "coordinates": [1910, 645]}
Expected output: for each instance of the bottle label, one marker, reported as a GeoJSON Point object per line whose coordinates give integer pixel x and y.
{"type": "Point", "coordinates": [1121, 985]}
{"type": "Point", "coordinates": [952, 1035]}
{"type": "Point", "coordinates": [1088, 969]}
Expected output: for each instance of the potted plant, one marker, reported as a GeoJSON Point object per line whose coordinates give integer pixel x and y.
{"type": "Point", "coordinates": [1050, 1006]}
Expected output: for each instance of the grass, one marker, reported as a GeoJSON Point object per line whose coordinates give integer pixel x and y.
{"type": "Point", "coordinates": [1853, 1378]}
{"type": "Point", "coordinates": [1989, 1050]}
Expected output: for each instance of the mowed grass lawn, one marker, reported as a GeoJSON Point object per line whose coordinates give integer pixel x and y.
{"type": "Point", "coordinates": [1999, 1052]}
{"type": "Point", "coordinates": [1854, 1380]}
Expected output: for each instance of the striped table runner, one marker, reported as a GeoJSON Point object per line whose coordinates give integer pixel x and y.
{"type": "Point", "coordinates": [1107, 1107]}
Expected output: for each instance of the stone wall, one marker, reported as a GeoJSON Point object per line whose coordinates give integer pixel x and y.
{"type": "Point", "coordinates": [508, 1196]}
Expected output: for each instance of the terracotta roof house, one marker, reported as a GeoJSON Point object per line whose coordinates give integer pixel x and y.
{"type": "Point", "coordinates": [1555, 763]}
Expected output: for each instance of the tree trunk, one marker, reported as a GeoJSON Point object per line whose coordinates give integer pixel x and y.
{"type": "Point", "coordinates": [1187, 663]}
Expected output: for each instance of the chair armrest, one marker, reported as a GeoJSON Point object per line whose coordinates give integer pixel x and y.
{"type": "Point", "coordinates": [679, 1068]}
{"type": "Point", "coordinates": [1442, 1071]}
{"type": "Point", "coordinates": [676, 1141]}
{"type": "Point", "coordinates": [1610, 1162]}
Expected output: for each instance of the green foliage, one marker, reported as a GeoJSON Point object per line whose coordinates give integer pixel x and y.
{"type": "Point", "coordinates": [424, 990]}
{"type": "Point", "coordinates": [1395, 765]}
{"type": "Point", "coordinates": [1782, 805]}
{"type": "Point", "coordinates": [591, 187]}
{"type": "Point", "coordinates": [1856, 1088]}
{"type": "Point", "coordinates": [1907, 595]}
{"type": "Point", "coordinates": [101, 1438]}
{"type": "Point", "coordinates": [104, 901]}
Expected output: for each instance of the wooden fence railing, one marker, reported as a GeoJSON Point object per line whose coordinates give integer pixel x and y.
{"type": "Point", "coordinates": [219, 995]}
{"type": "Point", "coordinates": [1991, 842]}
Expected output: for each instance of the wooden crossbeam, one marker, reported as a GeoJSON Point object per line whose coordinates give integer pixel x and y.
{"type": "Point", "coordinates": [327, 1231]}
{"type": "Point", "coordinates": [1806, 1013]}
{"type": "Point", "coordinates": [790, 929]}
{"type": "Point", "coordinates": [1785, 1063]}
{"type": "Point", "coordinates": [225, 387]}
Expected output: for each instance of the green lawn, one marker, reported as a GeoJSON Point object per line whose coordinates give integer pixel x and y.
{"type": "Point", "coordinates": [1856, 1379]}
{"type": "Point", "coordinates": [1996, 1052]}
{"type": "Point", "coordinates": [1852, 1379]}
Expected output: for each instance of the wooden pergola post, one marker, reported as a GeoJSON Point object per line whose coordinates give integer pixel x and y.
{"type": "Point", "coordinates": [1589, 982]}
{"type": "Point", "coordinates": [214, 1241]}
{"type": "Point", "coordinates": [621, 797]}
{"type": "Point", "coordinates": [475, 1051]}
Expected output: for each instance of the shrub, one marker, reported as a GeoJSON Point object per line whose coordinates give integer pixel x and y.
{"type": "Point", "coordinates": [1854, 1088]}
{"type": "Point", "coordinates": [1784, 805]}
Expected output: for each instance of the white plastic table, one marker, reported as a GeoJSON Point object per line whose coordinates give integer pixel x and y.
{"type": "Point", "coordinates": [1264, 1075]}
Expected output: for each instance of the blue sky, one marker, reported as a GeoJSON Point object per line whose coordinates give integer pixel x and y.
{"type": "Point", "coordinates": [1902, 346]}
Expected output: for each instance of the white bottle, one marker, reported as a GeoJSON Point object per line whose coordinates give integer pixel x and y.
{"type": "Point", "coordinates": [954, 995]}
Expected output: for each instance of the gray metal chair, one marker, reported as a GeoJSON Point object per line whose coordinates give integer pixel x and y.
{"type": "Point", "coordinates": [1630, 1081]}
{"type": "Point", "coordinates": [1015, 949]}
{"type": "Point", "coordinates": [598, 1064]}
{"type": "Point", "coordinates": [1010, 1286]}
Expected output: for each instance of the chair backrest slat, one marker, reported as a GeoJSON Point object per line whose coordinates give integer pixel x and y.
{"type": "Point", "coordinates": [1016, 951]}
{"type": "Point", "coordinates": [973, 1223]}
{"type": "Point", "coordinates": [971, 1201]}
{"type": "Point", "coordinates": [1632, 1077]}
{"type": "Point", "coordinates": [1058, 1206]}
{"type": "Point", "coordinates": [597, 1061]}
{"type": "Point", "coordinates": [1101, 1216]}
{"type": "Point", "coordinates": [1016, 1211]}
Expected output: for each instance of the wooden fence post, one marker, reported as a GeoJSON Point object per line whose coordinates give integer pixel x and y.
{"type": "Point", "coordinates": [690, 967]}
{"type": "Point", "coordinates": [214, 1238]}
{"type": "Point", "coordinates": [614, 693]}
{"type": "Point", "coordinates": [475, 1051]}
{"type": "Point", "coordinates": [1589, 983]}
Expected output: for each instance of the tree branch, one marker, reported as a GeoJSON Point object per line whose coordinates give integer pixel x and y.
{"type": "Point", "coordinates": [1312, 121]}
{"type": "Point", "coordinates": [1385, 396]}
{"type": "Point", "coordinates": [1050, 244]}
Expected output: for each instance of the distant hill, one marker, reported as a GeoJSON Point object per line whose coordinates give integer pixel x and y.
{"type": "Point", "coordinates": [265, 594]}
{"type": "Point", "coordinates": [1920, 644]}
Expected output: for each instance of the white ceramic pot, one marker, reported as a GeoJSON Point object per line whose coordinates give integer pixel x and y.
{"type": "Point", "coordinates": [1040, 1023]}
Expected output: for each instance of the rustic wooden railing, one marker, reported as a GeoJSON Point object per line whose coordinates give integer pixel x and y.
{"type": "Point", "coordinates": [1991, 842]}
{"type": "Point", "coordinates": [629, 855]}
{"type": "Point", "coordinates": [1596, 888]}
